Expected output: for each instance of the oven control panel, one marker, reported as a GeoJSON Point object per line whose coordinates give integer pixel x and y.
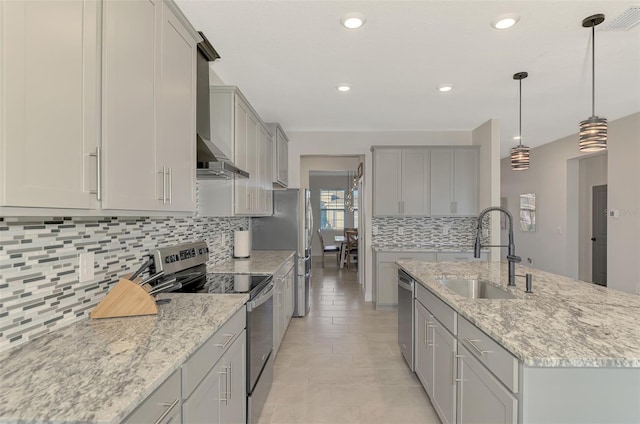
{"type": "Point", "coordinates": [180, 257]}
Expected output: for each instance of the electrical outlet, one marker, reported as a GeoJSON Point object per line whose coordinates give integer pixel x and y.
{"type": "Point", "coordinates": [374, 229]}
{"type": "Point", "coordinates": [445, 230]}
{"type": "Point", "coordinates": [223, 239]}
{"type": "Point", "coordinates": [86, 264]}
{"type": "Point", "coordinates": [400, 231]}
{"type": "Point", "coordinates": [485, 232]}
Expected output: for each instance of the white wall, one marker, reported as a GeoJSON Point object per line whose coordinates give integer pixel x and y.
{"type": "Point", "coordinates": [487, 136]}
{"type": "Point", "coordinates": [592, 172]}
{"type": "Point", "coordinates": [303, 144]}
{"type": "Point", "coordinates": [552, 166]}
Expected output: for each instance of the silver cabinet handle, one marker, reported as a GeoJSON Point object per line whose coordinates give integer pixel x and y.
{"type": "Point", "coordinates": [166, 412]}
{"type": "Point", "coordinates": [461, 379]}
{"type": "Point", "coordinates": [426, 333]}
{"type": "Point", "coordinates": [98, 156]}
{"type": "Point", "coordinates": [229, 381]}
{"type": "Point", "coordinates": [226, 385]}
{"type": "Point", "coordinates": [226, 343]}
{"type": "Point", "coordinates": [170, 184]}
{"type": "Point", "coordinates": [432, 326]}
{"type": "Point", "coordinates": [164, 185]}
{"type": "Point", "coordinates": [472, 343]}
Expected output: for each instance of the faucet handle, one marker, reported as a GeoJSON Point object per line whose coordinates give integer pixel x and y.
{"type": "Point", "coordinates": [514, 258]}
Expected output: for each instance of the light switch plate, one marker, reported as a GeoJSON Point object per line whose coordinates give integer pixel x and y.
{"type": "Point", "coordinates": [485, 232]}
{"type": "Point", "coordinates": [374, 229]}
{"type": "Point", "coordinates": [400, 231]}
{"type": "Point", "coordinates": [86, 266]}
{"type": "Point", "coordinates": [445, 230]}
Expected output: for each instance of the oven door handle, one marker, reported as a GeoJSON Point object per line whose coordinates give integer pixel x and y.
{"type": "Point", "coordinates": [266, 294]}
{"type": "Point", "coordinates": [407, 287]}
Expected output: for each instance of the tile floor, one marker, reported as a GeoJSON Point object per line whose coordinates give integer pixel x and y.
{"type": "Point", "coordinates": [341, 363]}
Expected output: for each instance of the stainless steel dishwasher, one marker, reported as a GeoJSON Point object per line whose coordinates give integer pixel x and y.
{"type": "Point", "coordinates": [406, 286]}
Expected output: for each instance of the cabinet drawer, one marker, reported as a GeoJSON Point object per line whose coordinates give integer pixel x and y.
{"type": "Point", "coordinates": [199, 364]}
{"type": "Point", "coordinates": [406, 256]}
{"type": "Point", "coordinates": [460, 256]}
{"type": "Point", "coordinates": [440, 310]}
{"type": "Point", "coordinates": [284, 268]}
{"type": "Point", "coordinates": [496, 358]}
{"type": "Point", "coordinates": [163, 403]}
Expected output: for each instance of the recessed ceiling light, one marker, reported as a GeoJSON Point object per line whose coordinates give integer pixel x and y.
{"type": "Point", "coordinates": [343, 87]}
{"type": "Point", "coordinates": [445, 87]}
{"type": "Point", "coordinates": [505, 21]}
{"type": "Point", "coordinates": [353, 20]}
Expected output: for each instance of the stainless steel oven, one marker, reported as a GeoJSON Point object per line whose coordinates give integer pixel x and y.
{"type": "Point", "coordinates": [406, 286]}
{"type": "Point", "coordinates": [185, 265]}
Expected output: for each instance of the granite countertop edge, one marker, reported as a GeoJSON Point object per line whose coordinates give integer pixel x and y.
{"type": "Point", "coordinates": [426, 248]}
{"type": "Point", "coordinates": [115, 412]}
{"type": "Point", "coordinates": [468, 308]}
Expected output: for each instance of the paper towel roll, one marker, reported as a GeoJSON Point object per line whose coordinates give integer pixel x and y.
{"type": "Point", "coordinates": [241, 244]}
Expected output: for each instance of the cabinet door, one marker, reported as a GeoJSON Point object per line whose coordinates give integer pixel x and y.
{"type": "Point", "coordinates": [415, 182]}
{"type": "Point", "coordinates": [441, 181]}
{"type": "Point", "coordinates": [387, 284]}
{"type": "Point", "coordinates": [481, 398]}
{"type": "Point", "coordinates": [386, 182]}
{"type": "Point", "coordinates": [277, 311]}
{"type": "Point", "coordinates": [423, 354]}
{"type": "Point", "coordinates": [164, 401]}
{"type": "Point", "coordinates": [176, 145]}
{"type": "Point", "coordinates": [50, 103]}
{"type": "Point", "coordinates": [203, 406]}
{"type": "Point", "coordinates": [132, 179]}
{"type": "Point", "coordinates": [242, 196]}
{"type": "Point", "coordinates": [444, 375]}
{"type": "Point", "coordinates": [282, 158]}
{"type": "Point", "coordinates": [465, 182]}
{"type": "Point", "coordinates": [234, 406]}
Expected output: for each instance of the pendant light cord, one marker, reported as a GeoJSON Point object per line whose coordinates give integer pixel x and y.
{"type": "Point", "coordinates": [593, 70]}
{"type": "Point", "coordinates": [520, 144]}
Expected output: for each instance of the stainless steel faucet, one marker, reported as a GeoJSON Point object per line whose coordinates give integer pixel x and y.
{"type": "Point", "coordinates": [512, 259]}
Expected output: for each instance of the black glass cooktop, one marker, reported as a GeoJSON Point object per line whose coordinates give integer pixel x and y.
{"type": "Point", "coordinates": [198, 281]}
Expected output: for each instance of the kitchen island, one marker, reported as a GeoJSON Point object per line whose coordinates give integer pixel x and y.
{"type": "Point", "coordinates": [99, 371]}
{"type": "Point", "coordinates": [568, 352]}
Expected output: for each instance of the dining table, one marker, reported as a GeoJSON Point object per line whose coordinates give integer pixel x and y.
{"type": "Point", "coordinates": [342, 242]}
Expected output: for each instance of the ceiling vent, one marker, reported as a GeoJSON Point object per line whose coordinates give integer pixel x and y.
{"type": "Point", "coordinates": [627, 20]}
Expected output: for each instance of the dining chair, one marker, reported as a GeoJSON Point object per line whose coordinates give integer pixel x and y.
{"type": "Point", "coordinates": [328, 249]}
{"type": "Point", "coordinates": [351, 239]}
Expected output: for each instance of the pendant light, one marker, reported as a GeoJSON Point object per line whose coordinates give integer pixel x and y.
{"type": "Point", "coordinates": [520, 153]}
{"type": "Point", "coordinates": [593, 131]}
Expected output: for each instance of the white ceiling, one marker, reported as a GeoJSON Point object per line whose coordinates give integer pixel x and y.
{"type": "Point", "coordinates": [288, 56]}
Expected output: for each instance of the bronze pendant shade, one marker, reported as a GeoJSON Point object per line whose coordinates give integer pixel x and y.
{"type": "Point", "coordinates": [520, 154]}
{"type": "Point", "coordinates": [593, 131]}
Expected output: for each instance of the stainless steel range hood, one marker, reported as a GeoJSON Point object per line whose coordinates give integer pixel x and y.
{"type": "Point", "coordinates": [212, 163]}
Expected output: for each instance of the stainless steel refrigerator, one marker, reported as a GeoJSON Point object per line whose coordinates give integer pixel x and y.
{"type": "Point", "coordinates": [290, 228]}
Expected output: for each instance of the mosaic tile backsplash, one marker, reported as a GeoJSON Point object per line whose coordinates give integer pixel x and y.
{"type": "Point", "coordinates": [426, 231]}
{"type": "Point", "coordinates": [39, 287]}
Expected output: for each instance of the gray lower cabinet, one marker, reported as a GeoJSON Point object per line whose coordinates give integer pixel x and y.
{"type": "Point", "coordinates": [221, 396]}
{"type": "Point", "coordinates": [162, 407]}
{"type": "Point", "coordinates": [386, 274]}
{"type": "Point", "coordinates": [435, 352]}
{"type": "Point", "coordinates": [481, 397]}
{"type": "Point", "coordinates": [283, 302]}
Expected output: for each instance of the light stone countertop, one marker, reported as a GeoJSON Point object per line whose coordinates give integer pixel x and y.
{"type": "Point", "coordinates": [261, 262]}
{"type": "Point", "coordinates": [564, 323]}
{"type": "Point", "coordinates": [99, 371]}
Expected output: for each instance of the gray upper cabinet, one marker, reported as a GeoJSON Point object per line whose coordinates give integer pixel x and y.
{"type": "Point", "coordinates": [109, 123]}
{"type": "Point", "coordinates": [149, 108]}
{"type": "Point", "coordinates": [454, 181]}
{"type": "Point", "coordinates": [51, 81]}
{"type": "Point", "coordinates": [280, 170]}
{"type": "Point", "coordinates": [401, 182]}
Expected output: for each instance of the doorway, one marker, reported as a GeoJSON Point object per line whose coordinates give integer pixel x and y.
{"type": "Point", "coordinates": [599, 235]}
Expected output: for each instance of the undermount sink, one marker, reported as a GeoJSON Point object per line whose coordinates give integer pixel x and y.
{"type": "Point", "coordinates": [476, 289]}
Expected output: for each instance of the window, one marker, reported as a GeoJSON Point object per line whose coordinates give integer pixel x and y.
{"type": "Point", "coordinates": [331, 209]}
